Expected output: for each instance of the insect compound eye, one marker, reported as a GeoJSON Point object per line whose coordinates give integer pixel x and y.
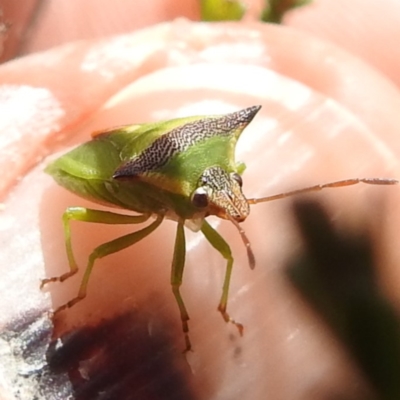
{"type": "Point", "coordinates": [237, 178]}
{"type": "Point", "coordinates": [200, 198]}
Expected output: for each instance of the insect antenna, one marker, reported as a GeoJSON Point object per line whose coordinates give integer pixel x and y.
{"type": "Point", "coordinates": [317, 188]}
{"type": "Point", "coordinates": [246, 241]}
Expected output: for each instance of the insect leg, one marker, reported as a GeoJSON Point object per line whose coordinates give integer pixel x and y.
{"type": "Point", "coordinates": [106, 249]}
{"type": "Point", "coordinates": [178, 264]}
{"type": "Point", "coordinates": [317, 188]}
{"type": "Point", "coordinates": [219, 243]}
{"type": "Point", "coordinates": [88, 215]}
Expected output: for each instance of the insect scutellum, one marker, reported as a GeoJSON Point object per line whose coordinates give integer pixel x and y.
{"type": "Point", "coordinates": [182, 169]}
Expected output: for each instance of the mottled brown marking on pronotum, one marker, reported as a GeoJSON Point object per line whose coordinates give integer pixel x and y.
{"type": "Point", "coordinates": [180, 139]}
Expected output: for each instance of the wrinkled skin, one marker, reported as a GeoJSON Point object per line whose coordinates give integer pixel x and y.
{"type": "Point", "coordinates": [325, 116]}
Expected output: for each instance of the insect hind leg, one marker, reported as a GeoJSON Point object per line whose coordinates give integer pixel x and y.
{"type": "Point", "coordinates": [178, 264]}
{"type": "Point", "coordinates": [88, 215]}
{"type": "Point", "coordinates": [106, 249]}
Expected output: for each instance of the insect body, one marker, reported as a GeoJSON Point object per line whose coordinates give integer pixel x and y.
{"type": "Point", "coordinates": [182, 169]}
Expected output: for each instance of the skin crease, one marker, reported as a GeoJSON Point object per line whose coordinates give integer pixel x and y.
{"type": "Point", "coordinates": [301, 138]}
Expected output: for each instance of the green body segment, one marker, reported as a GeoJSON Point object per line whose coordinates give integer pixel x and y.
{"type": "Point", "coordinates": [182, 169]}
{"type": "Point", "coordinates": [89, 170]}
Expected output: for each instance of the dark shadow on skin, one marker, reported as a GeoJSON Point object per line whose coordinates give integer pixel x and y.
{"type": "Point", "coordinates": [336, 275]}
{"type": "Point", "coordinates": [115, 360]}
{"type": "Point", "coordinates": [119, 359]}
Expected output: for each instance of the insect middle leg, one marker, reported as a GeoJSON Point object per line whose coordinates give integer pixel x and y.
{"type": "Point", "coordinates": [219, 243]}
{"type": "Point", "coordinates": [178, 264]}
{"type": "Point", "coordinates": [88, 215]}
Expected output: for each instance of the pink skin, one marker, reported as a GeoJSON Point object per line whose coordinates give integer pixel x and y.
{"type": "Point", "coordinates": [315, 131]}
{"type": "Point", "coordinates": [359, 26]}
{"type": "Point", "coordinates": [38, 26]}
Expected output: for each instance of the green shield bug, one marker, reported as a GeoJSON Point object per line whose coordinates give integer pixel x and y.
{"type": "Point", "coordinates": [159, 170]}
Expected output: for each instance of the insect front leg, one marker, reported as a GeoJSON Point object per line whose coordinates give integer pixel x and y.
{"type": "Point", "coordinates": [219, 243]}
{"type": "Point", "coordinates": [178, 264]}
{"type": "Point", "coordinates": [88, 215]}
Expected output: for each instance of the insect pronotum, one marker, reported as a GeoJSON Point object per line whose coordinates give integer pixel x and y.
{"type": "Point", "coordinates": [183, 169]}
